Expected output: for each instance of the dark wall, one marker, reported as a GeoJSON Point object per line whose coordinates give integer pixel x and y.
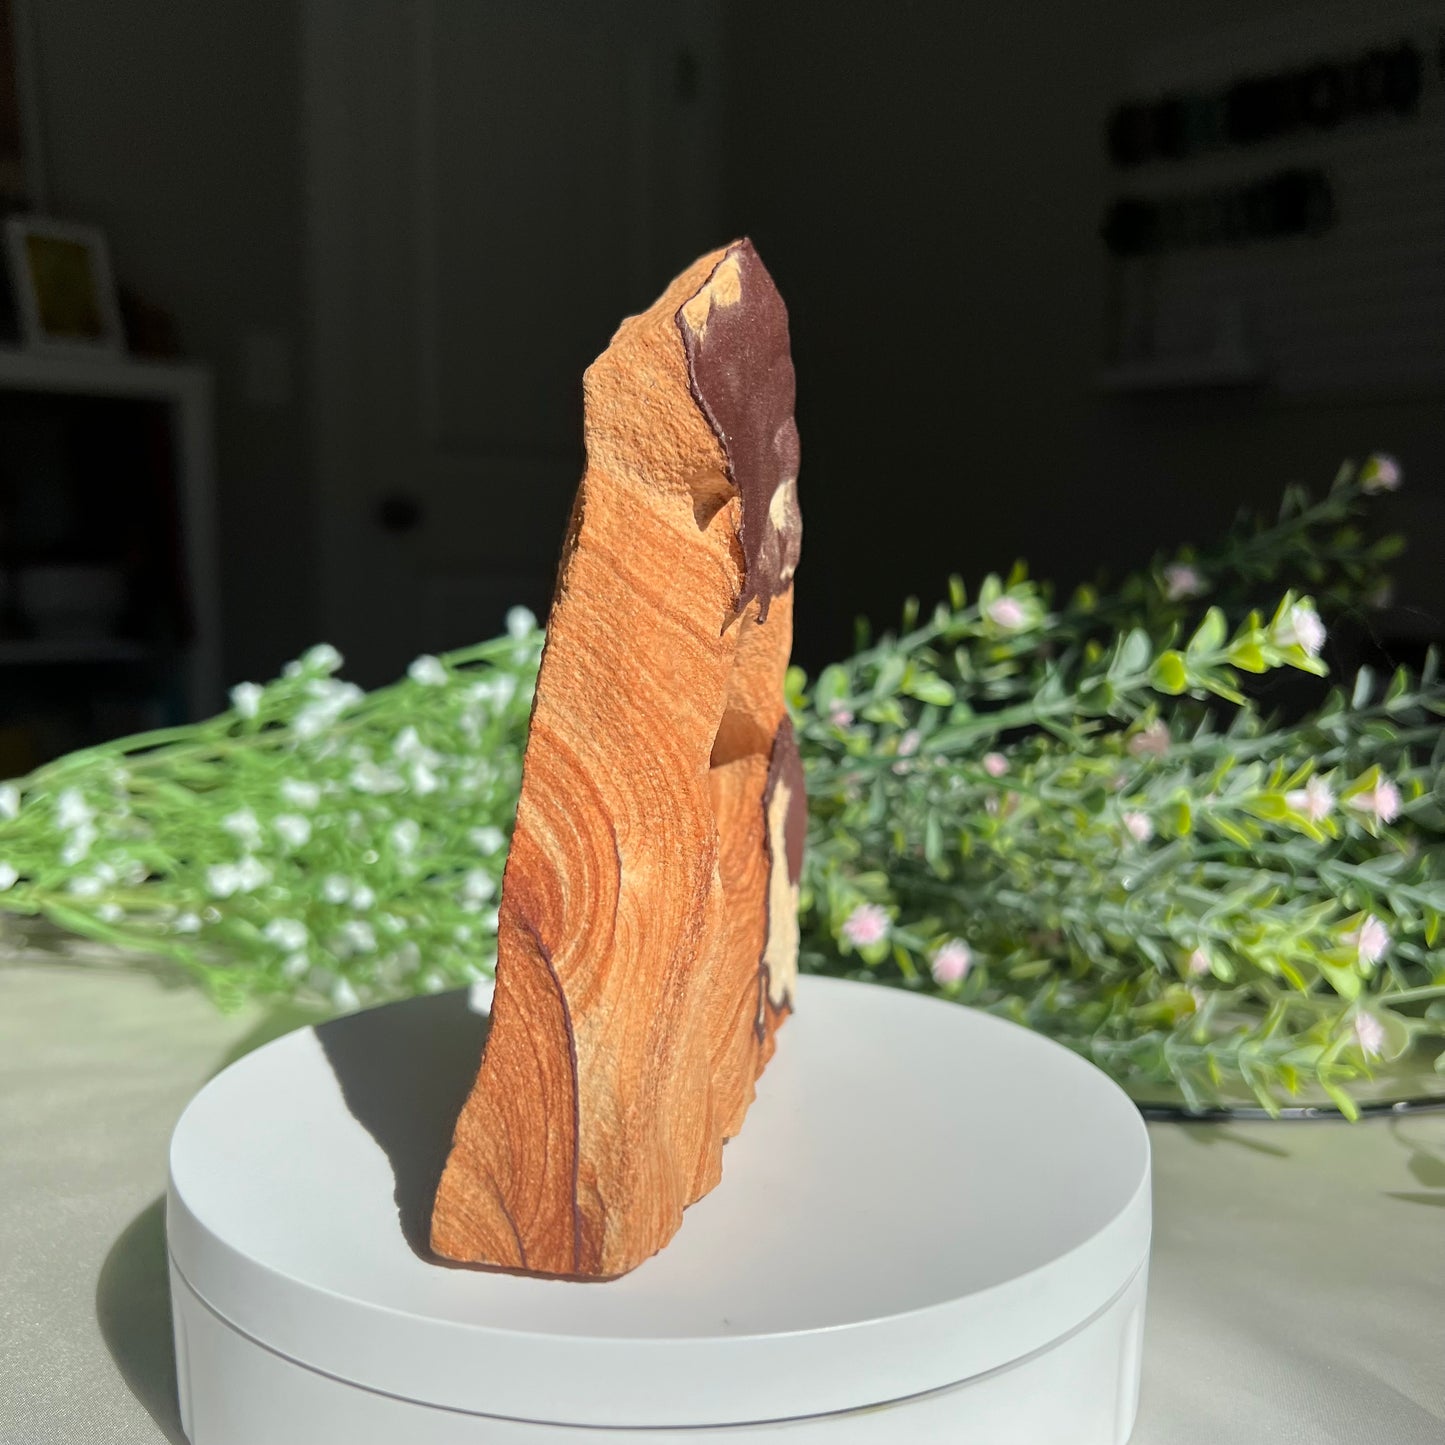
{"type": "Point", "coordinates": [178, 129]}
{"type": "Point", "coordinates": [926, 181]}
{"type": "Point", "coordinates": [918, 179]}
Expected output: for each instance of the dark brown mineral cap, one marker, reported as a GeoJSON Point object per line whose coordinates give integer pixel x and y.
{"type": "Point", "coordinates": [740, 368]}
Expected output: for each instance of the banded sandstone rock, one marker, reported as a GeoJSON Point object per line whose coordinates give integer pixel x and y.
{"type": "Point", "coordinates": [648, 923]}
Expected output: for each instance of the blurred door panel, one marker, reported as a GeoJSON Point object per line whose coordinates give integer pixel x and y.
{"type": "Point", "coordinates": [492, 186]}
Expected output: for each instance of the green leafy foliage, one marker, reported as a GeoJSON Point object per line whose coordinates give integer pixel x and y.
{"type": "Point", "coordinates": [1075, 816]}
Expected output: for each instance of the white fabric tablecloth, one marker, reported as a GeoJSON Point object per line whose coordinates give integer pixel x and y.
{"type": "Point", "coordinates": [1297, 1291]}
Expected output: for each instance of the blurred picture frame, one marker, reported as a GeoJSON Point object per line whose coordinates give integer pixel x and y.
{"type": "Point", "coordinates": [64, 287]}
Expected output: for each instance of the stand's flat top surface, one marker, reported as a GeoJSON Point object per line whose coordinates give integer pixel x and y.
{"type": "Point", "coordinates": [920, 1193]}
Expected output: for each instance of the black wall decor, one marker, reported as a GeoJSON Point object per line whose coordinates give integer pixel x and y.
{"type": "Point", "coordinates": [1261, 108]}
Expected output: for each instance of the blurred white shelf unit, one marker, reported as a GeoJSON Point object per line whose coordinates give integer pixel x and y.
{"type": "Point", "coordinates": [186, 389]}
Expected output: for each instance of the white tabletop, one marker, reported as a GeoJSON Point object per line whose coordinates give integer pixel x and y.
{"type": "Point", "coordinates": [1297, 1282]}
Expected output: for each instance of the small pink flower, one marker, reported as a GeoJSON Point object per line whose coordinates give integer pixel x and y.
{"type": "Point", "coordinates": [1371, 940]}
{"type": "Point", "coordinates": [1381, 473]}
{"type": "Point", "coordinates": [1369, 1034]}
{"type": "Point", "coordinates": [1316, 800]}
{"type": "Point", "coordinates": [840, 717]}
{"type": "Point", "coordinates": [1301, 627]}
{"type": "Point", "coordinates": [1138, 826]}
{"type": "Point", "coordinates": [1152, 742]}
{"type": "Point", "coordinates": [866, 924]}
{"type": "Point", "coordinates": [908, 743]}
{"type": "Point", "coordinates": [1181, 581]}
{"type": "Point", "coordinates": [1383, 800]}
{"type": "Point", "coordinates": [952, 962]}
{"type": "Point", "coordinates": [1008, 613]}
{"type": "Point", "coordinates": [995, 764]}
{"type": "Point", "coordinates": [1198, 964]}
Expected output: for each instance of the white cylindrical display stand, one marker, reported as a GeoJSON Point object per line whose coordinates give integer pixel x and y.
{"type": "Point", "coordinates": [933, 1227]}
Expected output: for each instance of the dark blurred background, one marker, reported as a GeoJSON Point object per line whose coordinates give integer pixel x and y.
{"type": "Point", "coordinates": [1067, 281]}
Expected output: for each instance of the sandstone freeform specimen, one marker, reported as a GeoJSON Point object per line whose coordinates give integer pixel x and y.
{"type": "Point", "coordinates": [648, 929]}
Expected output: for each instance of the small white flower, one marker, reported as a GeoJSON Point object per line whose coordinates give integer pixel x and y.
{"type": "Point", "coordinates": [1371, 940]}
{"type": "Point", "coordinates": [335, 888]}
{"type": "Point", "coordinates": [362, 897]}
{"type": "Point", "coordinates": [405, 835]}
{"type": "Point", "coordinates": [952, 962]}
{"type": "Point", "coordinates": [295, 967]}
{"type": "Point", "coordinates": [293, 829]}
{"type": "Point", "coordinates": [288, 934]}
{"type": "Point", "coordinates": [368, 778]}
{"type": "Point", "coordinates": [1198, 964]}
{"type": "Point", "coordinates": [423, 780]}
{"type": "Point", "coordinates": [1181, 581]}
{"type": "Point", "coordinates": [71, 810]}
{"type": "Point", "coordinates": [8, 876]}
{"type": "Point", "coordinates": [1381, 473]}
{"type": "Point", "coordinates": [344, 996]}
{"type": "Point", "coordinates": [995, 764]}
{"type": "Point", "coordinates": [356, 937]}
{"type": "Point", "coordinates": [410, 748]}
{"type": "Point", "coordinates": [246, 698]}
{"type": "Point", "coordinates": [1006, 612]}
{"type": "Point", "coordinates": [9, 800]}
{"type": "Point", "coordinates": [222, 880]}
{"type": "Point", "coordinates": [1301, 627]}
{"type": "Point", "coordinates": [1383, 801]}
{"type": "Point", "coordinates": [321, 658]}
{"type": "Point", "coordinates": [1138, 826]}
{"type": "Point", "coordinates": [110, 913]}
{"type": "Point", "coordinates": [478, 886]}
{"type": "Point", "coordinates": [226, 879]}
{"type": "Point", "coordinates": [1316, 800]}
{"type": "Point", "coordinates": [1198, 995]}
{"type": "Point", "coordinates": [1369, 1034]}
{"type": "Point", "coordinates": [840, 716]}
{"type": "Point", "coordinates": [300, 793]}
{"type": "Point", "coordinates": [243, 826]}
{"type": "Point", "coordinates": [498, 689]}
{"type": "Point", "coordinates": [462, 933]}
{"type": "Point", "coordinates": [428, 671]}
{"type": "Point", "coordinates": [331, 692]}
{"type": "Point", "coordinates": [487, 840]}
{"type": "Point", "coordinates": [79, 845]}
{"type": "Point", "coordinates": [185, 923]}
{"type": "Point", "coordinates": [520, 622]}
{"type": "Point", "coordinates": [86, 886]}
{"type": "Point", "coordinates": [331, 700]}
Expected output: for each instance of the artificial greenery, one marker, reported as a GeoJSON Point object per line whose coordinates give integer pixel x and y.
{"type": "Point", "coordinates": [1076, 816]}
